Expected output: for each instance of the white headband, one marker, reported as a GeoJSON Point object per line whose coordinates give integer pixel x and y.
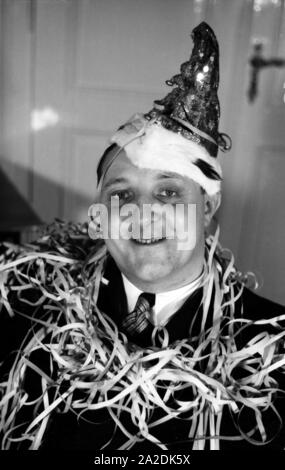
{"type": "Point", "coordinates": [148, 144]}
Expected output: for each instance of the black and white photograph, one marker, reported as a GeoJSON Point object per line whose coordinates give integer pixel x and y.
{"type": "Point", "coordinates": [142, 228]}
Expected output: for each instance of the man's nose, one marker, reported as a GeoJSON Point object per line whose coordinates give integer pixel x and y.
{"type": "Point", "coordinates": [143, 199]}
{"type": "Point", "coordinates": [147, 212]}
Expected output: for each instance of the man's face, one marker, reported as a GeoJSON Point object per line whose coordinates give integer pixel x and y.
{"type": "Point", "coordinates": [155, 262]}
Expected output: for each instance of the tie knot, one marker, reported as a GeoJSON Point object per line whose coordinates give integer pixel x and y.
{"type": "Point", "coordinates": [145, 302]}
{"type": "Point", "coordinates": [136, 321]}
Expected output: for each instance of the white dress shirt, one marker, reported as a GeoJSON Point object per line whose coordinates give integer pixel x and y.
{"type": "Point", "coordinates": [166, 303]}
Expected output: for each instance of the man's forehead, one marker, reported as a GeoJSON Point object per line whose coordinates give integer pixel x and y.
{"type": "Point", "coordinates": [124, 172]}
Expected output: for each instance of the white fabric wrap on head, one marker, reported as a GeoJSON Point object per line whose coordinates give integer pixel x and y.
{"type": "Point", "coordinates": [149, 145]}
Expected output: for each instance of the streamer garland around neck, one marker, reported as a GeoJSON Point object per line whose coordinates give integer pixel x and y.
{"type": "Point", "coordinates": [94, 367]}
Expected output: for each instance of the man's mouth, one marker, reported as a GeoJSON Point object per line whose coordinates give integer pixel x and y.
{"type": "Point", "coordinates": [147, 241]}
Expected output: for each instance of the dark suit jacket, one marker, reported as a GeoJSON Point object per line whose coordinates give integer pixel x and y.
{"type": "Point", "coordinates": [66, 432]}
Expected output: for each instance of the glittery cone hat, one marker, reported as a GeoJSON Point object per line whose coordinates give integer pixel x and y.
{"type": "Point", "coordinates": [180, 134]}
{"type": "Point", "coordinates": [192, 107]}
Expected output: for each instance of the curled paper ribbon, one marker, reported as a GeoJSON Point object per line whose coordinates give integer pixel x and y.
{"type": "Point", "coordinates": [93, 367]}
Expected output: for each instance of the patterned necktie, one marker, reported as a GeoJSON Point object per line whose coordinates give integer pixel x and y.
{"type": "Point", "coordinates": [136, 321]}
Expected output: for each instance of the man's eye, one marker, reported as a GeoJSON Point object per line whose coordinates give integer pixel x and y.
{"type": "Point", "coordinates": [122, 195]}
{"type": "Point", "coordinates": [168, 193]}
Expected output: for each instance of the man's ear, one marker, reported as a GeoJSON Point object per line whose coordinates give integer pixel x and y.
{"type": "Point", "coordinates": [211, 205]}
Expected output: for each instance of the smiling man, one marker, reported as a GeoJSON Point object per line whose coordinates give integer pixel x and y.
{"type": "Point", "coordinates": [155, 258]}
{"type": "Point", "coordinates": [163, 160]}
{"type": "Point", "coordinates": [148, 337]}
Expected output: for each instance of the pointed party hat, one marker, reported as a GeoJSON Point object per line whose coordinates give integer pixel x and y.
{"type": "Point", "coordinates": [192, 107]}
{"type": "Point", "coordinates": [180, 134]}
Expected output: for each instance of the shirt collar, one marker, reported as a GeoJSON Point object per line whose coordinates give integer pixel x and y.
{"type": "Point", "coordinates": [166, 303]}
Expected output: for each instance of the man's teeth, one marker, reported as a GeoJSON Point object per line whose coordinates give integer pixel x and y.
{"type": "Point", "coordinates": [147, 241]}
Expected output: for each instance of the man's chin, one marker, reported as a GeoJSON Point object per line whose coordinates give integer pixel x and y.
{"type": "Point", "coordinates": [150, 273]}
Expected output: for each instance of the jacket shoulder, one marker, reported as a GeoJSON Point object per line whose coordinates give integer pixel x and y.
{"type": "Point", "coordinates": [256, 307]}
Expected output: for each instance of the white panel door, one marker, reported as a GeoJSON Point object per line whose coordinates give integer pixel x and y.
{"type": "Point", "coordinates": [261, 144]}
{"type": "Point", "coordinates": [96, 63]}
